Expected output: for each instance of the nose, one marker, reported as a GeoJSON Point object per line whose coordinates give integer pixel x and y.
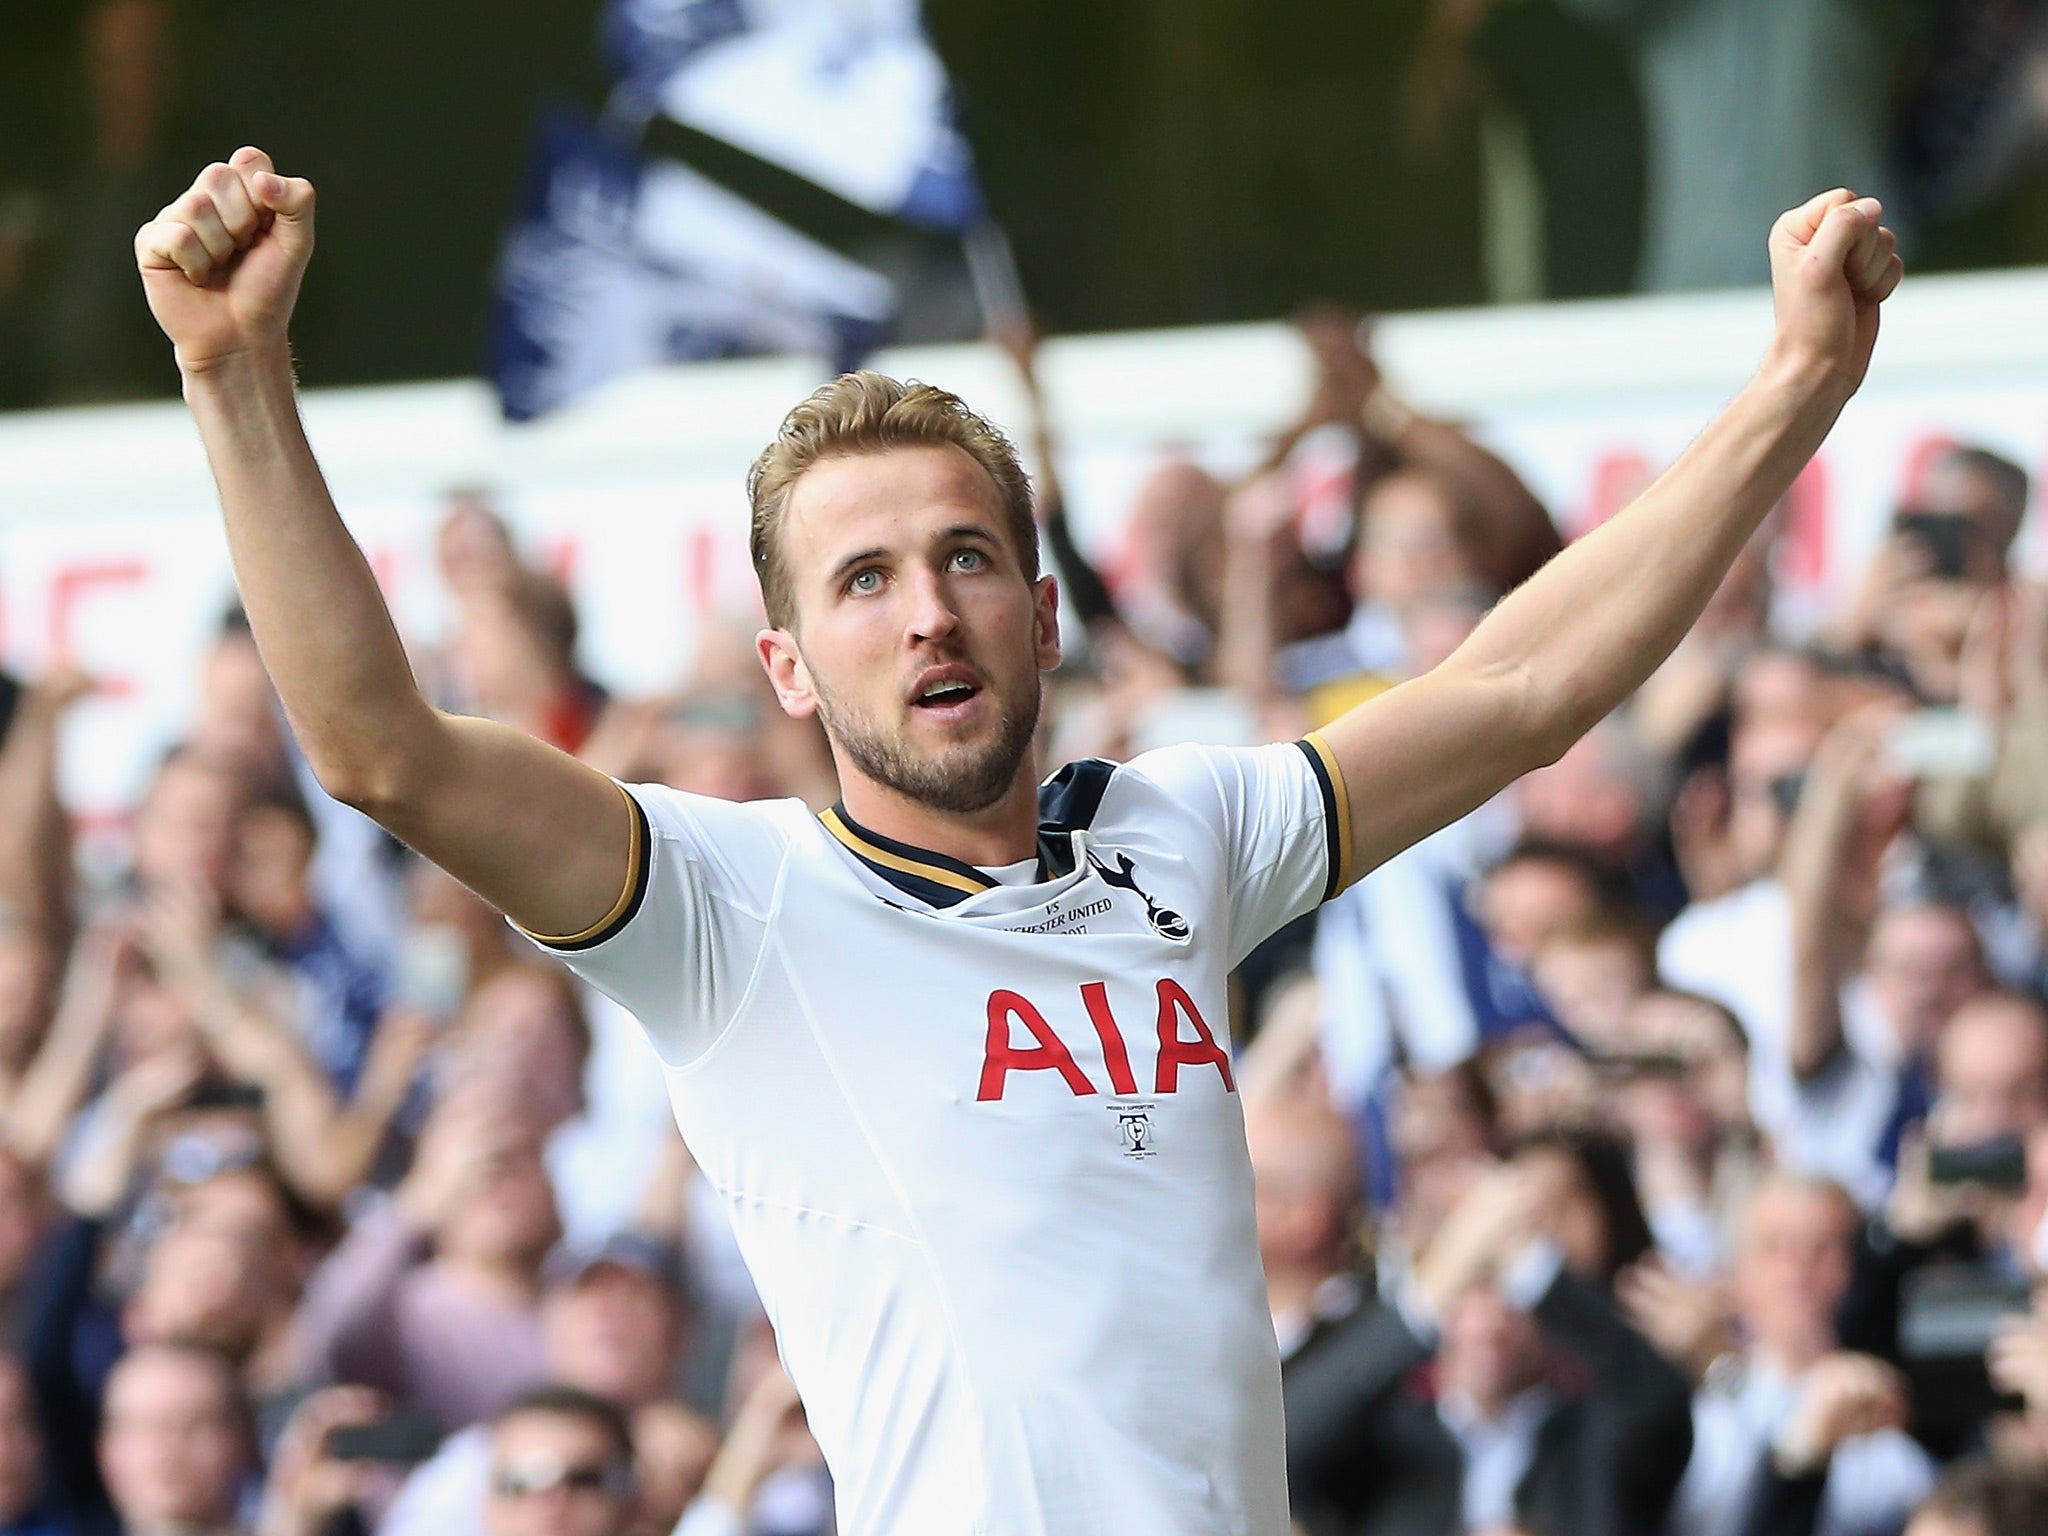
{"type": "Point", "coordinates": [932, 615]}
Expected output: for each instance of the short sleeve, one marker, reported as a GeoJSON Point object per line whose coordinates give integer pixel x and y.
{"type": "Point", "coordinates": [680, 949]}
{"type": "Point", "coordinates": [1281, 817]}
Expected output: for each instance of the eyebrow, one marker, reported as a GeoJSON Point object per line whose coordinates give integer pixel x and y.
{"type": "Point", "coordinates": [947, 535]}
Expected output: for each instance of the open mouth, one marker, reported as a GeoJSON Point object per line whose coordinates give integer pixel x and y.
{"type": "Point", "coordinates": [945, 689]}
{"type": "Point", "coordinates": [946, 695]}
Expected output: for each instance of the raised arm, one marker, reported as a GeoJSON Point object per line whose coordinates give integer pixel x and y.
{"type": "Point", "coordinates": [545, 838]}
{"type": "Point", "coordinates": [1560, 652]}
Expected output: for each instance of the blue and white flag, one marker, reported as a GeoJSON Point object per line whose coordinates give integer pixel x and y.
{"type": "Point", "coordinates": [847, 93]}
{"type": "Point", "coordinates": [614, 262]}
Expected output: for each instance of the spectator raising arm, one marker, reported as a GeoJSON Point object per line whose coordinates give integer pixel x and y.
{"type": "Point", "coordinates": [538, 834]}
{"type": "Point", "coordinates": [1566, 648]}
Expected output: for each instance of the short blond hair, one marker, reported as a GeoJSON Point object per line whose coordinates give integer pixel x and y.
{"type": "Point", "coordinates": [868, 412]}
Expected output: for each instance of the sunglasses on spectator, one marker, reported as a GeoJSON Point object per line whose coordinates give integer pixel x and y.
{"type": "Point", "coordinates": [613, 1479]}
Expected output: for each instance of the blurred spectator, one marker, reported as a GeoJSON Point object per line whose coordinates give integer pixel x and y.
{"type": "Point", "coordinates": [434, 1298]}
{"type": "Point", "coordinates": [613, 1326]}
{"type": "Point", "coordinates": [1793, 1429]}
{"type": "Point", "coordinates": [1305, 1175]}
{"type": "Point", "coordinates": [178, 1447]}
{"type": "Point", "coordinates": [1502, 1392]}
{"type": "Point", "coordinates": [561, 1465]}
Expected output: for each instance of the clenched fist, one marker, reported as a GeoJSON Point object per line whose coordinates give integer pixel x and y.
{"type": "Point", "coordinates": [1832, 264]}
{"type": "Point", "coordinates": [221, 265]}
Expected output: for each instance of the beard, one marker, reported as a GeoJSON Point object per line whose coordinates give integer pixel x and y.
{"type": "Point", "coordinates": [959, 780]}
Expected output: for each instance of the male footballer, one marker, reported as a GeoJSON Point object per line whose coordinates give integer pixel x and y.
{"type": "Point", "coordinates": [954, 1052]}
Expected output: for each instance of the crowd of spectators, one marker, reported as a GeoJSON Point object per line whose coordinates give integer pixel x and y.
{"type": "Point", "coordinates": [1663, 1147]}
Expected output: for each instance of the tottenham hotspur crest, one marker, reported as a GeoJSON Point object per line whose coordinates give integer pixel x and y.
{"type": "Point", "coordinates": [1165, 922]}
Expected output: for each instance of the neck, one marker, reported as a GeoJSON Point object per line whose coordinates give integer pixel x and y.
{"type": "Point", "coordinates": [1002, 833]}
{"type": "Point", "coordinates": [1793, 1357]}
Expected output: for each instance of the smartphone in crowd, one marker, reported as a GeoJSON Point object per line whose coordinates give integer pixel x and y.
{"type": "Point", "coordinates": [403, 1439]}
{"type": "Point", "coordinates": [1944, 537]}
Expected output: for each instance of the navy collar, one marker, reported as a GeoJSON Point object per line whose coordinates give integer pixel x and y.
{"type": "Point", "coordinates": [1067, 803]}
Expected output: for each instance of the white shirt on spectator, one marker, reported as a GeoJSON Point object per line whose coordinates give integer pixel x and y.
{"type": "Point", "coordinates": [1497, 1452]}
{"type": "Point", "coordinates": [1873, 1483]}
{"type": "Point", "coordinates": [1737, 950]}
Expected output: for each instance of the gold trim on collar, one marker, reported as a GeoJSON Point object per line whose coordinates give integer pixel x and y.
{"type": "Point", "coordinates": [938, 874]}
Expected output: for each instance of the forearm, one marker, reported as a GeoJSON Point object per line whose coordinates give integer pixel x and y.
{"type": "Point", "coordinates": [1590, 627]}
{"type": "Point", "coordinates": [344, 680]}
{"type": "Point", "coordinates": [35, 837]}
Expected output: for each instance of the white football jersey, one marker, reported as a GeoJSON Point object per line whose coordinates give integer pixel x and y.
{"type": "Point", "coordinates": [980, 1141]}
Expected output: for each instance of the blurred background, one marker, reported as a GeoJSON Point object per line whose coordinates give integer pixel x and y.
{"type": "Point", "coordinates": [1663, 1147]}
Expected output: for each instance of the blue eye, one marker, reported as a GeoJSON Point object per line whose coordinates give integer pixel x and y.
{"type": "Point", "coordinates": [869, 580]}
{"type": "Point", "coordinates": [969, 560]}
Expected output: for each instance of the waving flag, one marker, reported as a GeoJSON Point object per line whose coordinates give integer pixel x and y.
{"type": "Point", "coordinates": [615, 262]}
{"type": "Point", "coordinates": [847, 93]}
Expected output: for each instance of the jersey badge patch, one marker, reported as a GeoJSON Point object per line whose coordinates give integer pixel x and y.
{"type": "Point", "coordinates": [1166, 922]}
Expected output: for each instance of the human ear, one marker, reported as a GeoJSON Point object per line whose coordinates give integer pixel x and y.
{"type": "Point", "coordinates": [1046, 622]}
{"type": "Point", "coordinates": [787, 675]}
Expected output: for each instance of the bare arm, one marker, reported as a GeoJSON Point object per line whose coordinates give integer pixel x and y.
{"type": "Point", "coordinates": [35, 834]}
{"type": "Point", "coordinates": [1558, 654]}
{"type": "Point", "coordinates": [540, 835]}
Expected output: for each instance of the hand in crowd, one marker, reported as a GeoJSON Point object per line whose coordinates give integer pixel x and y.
{"type": "Point", "coordinates": [1486, 1231]}
{"type": "Point", "coordinates": [1842, 1396]}
{"type": "Point", "coordinates": [309, 1488]}
{"type": "Point", "coordinates": [1689, 1321]}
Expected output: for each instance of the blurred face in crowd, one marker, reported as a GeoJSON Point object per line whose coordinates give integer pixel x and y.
{"type": "Point", "coordinates": [1587, 798]}
{"type": "Point", "coordinates": [273, 851]}
{"type": "Point", "coordinates": [22, 1210]}
{"type": "Point", "coordinates": [1491, 1353]}
{"type": "Point", "coordinates": [1924, 962]}
{"type": "Point", "coordinates": [236, 721]}
{"type": "Point", "coordinates": [615, 1332]}
{"type": "Point", "coordinates": [1176, 539]}
{"type": "Point", "coordinates": [520, 1041]}
{"type": "Point", "coordinates": [714, 747]}
{"type": "Point", "coordinates": [1779, 687]}
{"type": "Point", "coordinates": [248, 1208]}
{"type": "Point", "coordinates": [556, 1474]}
{"type": "Point", "coordinates": [185, 829]}
{"type": "Point", "coordinates": [1709, 1096]}
{"type": "Point", "coordinates": [1954, 484]}
{"type": "Point", "coordinates": [906, 578]}
{"type": "Point", "coordinates": [1766, 761]}
{"type": "Point", "coordinates": [1591, 980]}
{"type": "Point", "coordinates": [474, 547]}
{"type": "Point", "coordinates": [1992, 1071]}
{"type": "Point", "coordinates": [174, 1444]}
{"type": "Point", "coordinates": [1524, 901]}
{"type": "Point", "coordinates": [1794, 1259]}
{"type": "Point", "coordinates": [1409, 548]}
{"type": "Point", "coordinates": [21, 1444]}
{"type": "Point", "coordinates": [511, 1219]}
{"type": "Point", "coordinates": [202, 1286]}
{"type": "Point", "coordinates": [1306, 1185]}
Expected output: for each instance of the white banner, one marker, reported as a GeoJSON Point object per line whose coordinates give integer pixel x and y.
{"type": "Point", "coordinates": [111, 553]}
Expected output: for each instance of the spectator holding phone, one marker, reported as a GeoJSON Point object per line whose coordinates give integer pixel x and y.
{"type": "Point", "coordinates": [1945, 552]}
{"type": "Point", "coordinates": [1793, 1433]}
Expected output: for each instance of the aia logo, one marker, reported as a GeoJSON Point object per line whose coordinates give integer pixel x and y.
{"type": "Point", "coordinates": [1180, 1035]}
{"type": "Point", "coordinates": [1166, 922]}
